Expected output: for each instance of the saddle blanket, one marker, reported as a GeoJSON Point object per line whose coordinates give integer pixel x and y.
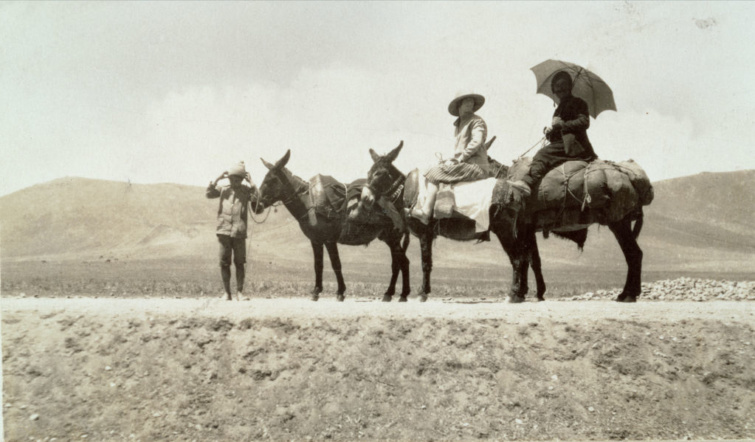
{"type": "Point", "coordinates": [327, 195]}
{"type": "Point", "coordinates": [468, 199]}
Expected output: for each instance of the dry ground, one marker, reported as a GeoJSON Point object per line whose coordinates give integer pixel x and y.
{"type": "Point", "coordinates": [198, 369]}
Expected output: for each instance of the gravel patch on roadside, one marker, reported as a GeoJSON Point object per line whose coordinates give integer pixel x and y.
{"type": "Point", "coordinates": [682, 289]}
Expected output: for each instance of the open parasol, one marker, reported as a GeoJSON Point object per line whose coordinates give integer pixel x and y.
{"type": "Point", "coordinates": [587, 85]}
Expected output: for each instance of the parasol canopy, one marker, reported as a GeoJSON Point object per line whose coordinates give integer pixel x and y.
{"type": "Point", "coordinates": [586, 85]}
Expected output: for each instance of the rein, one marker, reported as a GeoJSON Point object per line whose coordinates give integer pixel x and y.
{"type": "Point", "coordinates": [540, 142]}
{"type": "Point", "coordinates": [256, 205]}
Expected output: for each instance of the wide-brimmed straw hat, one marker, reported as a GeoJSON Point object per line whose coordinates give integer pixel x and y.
{"type": "Point", "coordinates": [453, 106]}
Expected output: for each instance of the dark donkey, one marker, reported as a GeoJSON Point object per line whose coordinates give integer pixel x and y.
{"type": "Point", "coordinates": [514, 225]}
{"type": "Point", "coordinates": [280, 184]}
{"type": "Point", "coordinates": [384, 179]}
{"type": "Point", "coordinates": [623, 201]}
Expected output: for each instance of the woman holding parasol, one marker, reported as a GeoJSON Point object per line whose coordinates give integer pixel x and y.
{"type": "Point", "coordinates": [567, 134]}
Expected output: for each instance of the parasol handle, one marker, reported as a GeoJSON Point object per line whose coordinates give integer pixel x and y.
{"type": "Point", "coordinates": [541, 141]}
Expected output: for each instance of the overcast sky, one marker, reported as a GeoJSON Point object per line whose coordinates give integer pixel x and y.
{"type": "Point", "coordinates": [177, 92]}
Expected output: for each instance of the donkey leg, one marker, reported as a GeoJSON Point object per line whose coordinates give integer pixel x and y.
{"type": "Point", "coordinates": [406, 287]}
{"type": "Point", "coordinates": [317, 249]}
{"type": "Point", "coordinates": [400, 264]}
{"type": "Point", "coordinates": [516, 251]}
{"type": "Point", "coordinates": [633, 255]}
{"type": "Point", "coordinates": [536, 266]}
{"type": "Point", "coordinates": [335, 261]}
{"type": "Point", "coordinates": [426, 244]}
{"type": "Point", "coordinates": [520, 293]}
{"type": "Point", "coordinates": [395, 247]}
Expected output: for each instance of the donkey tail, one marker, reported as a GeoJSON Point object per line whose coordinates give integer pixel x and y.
{"type": "Point", "coordinates": [405, 242]}
{"type": "Point", "coordinates": [638, 224]}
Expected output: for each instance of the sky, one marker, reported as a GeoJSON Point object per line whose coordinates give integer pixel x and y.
{"type": "Point", "coordinates": [172, 92]}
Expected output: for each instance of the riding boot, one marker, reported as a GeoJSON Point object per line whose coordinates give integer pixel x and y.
{"type": "Point", "coordinates": [425, 213]}
{"type": "Point", "coordinates": [521, 186]}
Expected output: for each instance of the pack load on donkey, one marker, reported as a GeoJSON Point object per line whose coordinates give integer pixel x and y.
{"type": "Point", "coordinates": [577, 193]}
{"type": "Point", "coordinates": [333, 200]}
{"type": "Point", "coordinates": [327, 196]}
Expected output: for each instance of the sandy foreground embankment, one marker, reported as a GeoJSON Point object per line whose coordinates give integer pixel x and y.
{"type": "Point", "coordinates": [209, 369]}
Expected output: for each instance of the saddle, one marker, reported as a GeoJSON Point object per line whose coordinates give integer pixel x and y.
{"type": "Point", "coordinates": [466, 200]}
{"type": "Point", "coordinates": [327, 195]}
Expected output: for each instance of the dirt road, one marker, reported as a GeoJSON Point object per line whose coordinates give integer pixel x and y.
{"type": "Point", "coordinates": [351, 308]}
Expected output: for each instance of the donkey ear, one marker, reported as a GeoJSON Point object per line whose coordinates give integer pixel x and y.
{"type": "Point", "coordinates": [490, 143]}
{"type": "Point", "coordinates": [394, 153]}
{"type": "Point", "coordinates": [268, 165]}
{"type": "Point", "coordinates": [374, 156]}
{"type": "Point", "coordinates": [283, 161]}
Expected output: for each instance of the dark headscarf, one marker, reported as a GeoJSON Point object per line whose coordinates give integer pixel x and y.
{"type": "Point", "coordinates": [561, 75]}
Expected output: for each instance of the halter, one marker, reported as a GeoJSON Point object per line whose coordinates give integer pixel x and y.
{"type": "Point", "coordinates": [301, 190]}
{"type": "Point", "coordinates": [394, 190]}
{"type": "Point", "coordinates": [294, 197]}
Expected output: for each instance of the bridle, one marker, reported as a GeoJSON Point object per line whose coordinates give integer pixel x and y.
{"type": "Point", "coordinates": [282, 202]}
{"type": "Point", "coordinates": [394, 190]}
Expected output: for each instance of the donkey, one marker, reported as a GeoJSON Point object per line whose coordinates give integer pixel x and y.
{"type": "Point", "coordinates": [384, 179]}
{"type": "Point", "coordinates": [280, 184]}
{"type": "Point", "coordinates": [625, 209]}
{"type": "Point", "coordinates": [514, 226]}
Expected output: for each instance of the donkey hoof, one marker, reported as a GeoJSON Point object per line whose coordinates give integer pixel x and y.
{"type": "Point", "coordinates": [402, 298]}
{"type": "Point", "coordinates": [340, 298]}
{"type": "Point", "coordinates": [626, 298]}
{"type": "Point", "coordinates": [315, 297]}
{"type": "Point", "coordinates": [540, 298]}
{"type": "Point", "coordinates": [513, 299]}
{"type": "Point", "coordinates": [422, 298]}
{"type": "Point", "coordinates": [387, 298]}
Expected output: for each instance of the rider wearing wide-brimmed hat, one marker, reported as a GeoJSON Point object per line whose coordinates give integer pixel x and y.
{"type": "Point", "coordinates": [232, 223]}
{"type": "Point", "coordinates": [470, 159]}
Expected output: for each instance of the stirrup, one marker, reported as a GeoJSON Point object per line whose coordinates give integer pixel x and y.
{"type": "Point", "coordinates": [420, 215]}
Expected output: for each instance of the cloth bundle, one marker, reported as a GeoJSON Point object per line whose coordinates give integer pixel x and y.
{"type": "Point", "coordinates": [577, 192]}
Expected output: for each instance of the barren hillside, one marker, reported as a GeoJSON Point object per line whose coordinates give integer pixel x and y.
{"type": "Point", "coordinates": [695, 223]}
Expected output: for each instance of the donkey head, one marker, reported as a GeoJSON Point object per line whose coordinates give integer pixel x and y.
{"type": "Point", "coordinates": [273, 187]}
{"type": "Point", "coordinates": [382, 176]}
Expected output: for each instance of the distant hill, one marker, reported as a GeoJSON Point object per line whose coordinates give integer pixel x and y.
{"type": "Point", "coordinates": [708, 209]}
{"type": "Point", "coordinates": [694, 222]}
{"type": "Point", "coordinates": [698, 222]}
{"type": "Point", "coordinates": [77, 217]}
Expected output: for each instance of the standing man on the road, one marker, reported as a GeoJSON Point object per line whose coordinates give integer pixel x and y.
{"type": "Point", "coordinates": [232, 219]}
